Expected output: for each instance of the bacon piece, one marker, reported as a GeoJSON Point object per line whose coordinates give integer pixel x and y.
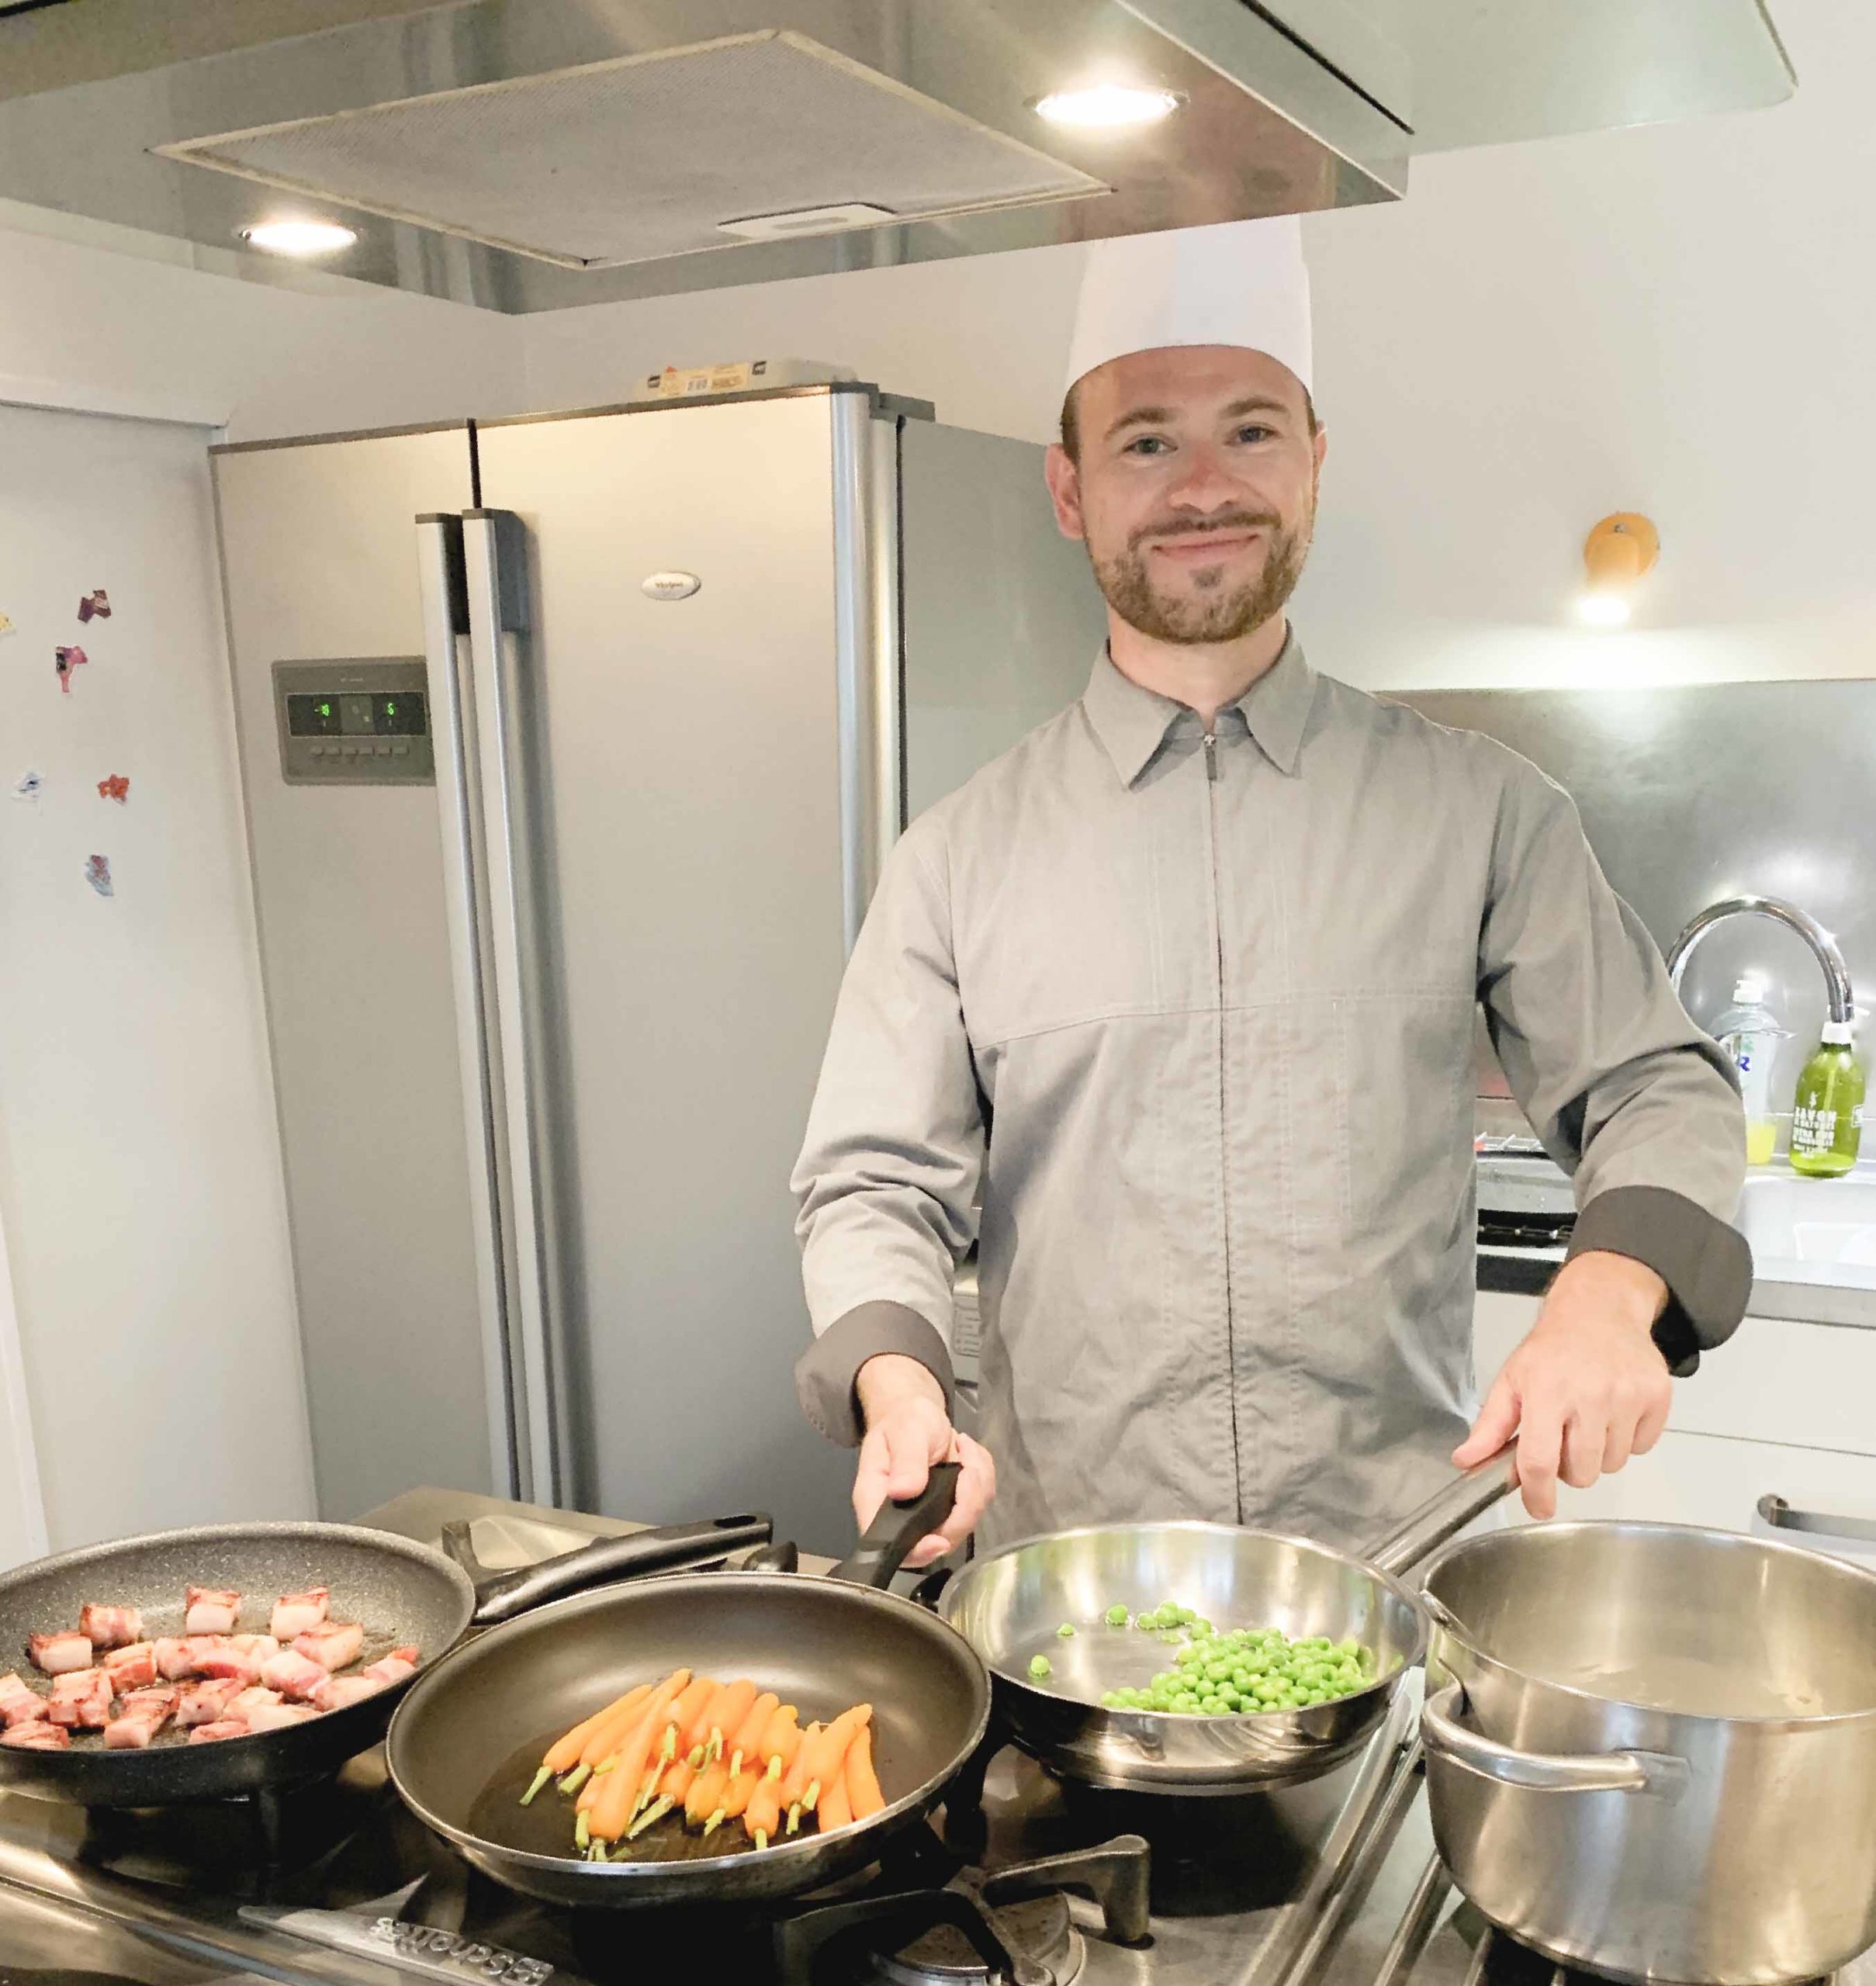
{"type": "Point", "coordinates": [210, 1610]}
{"type": "Point", "coordinates": [133, 1667]}
{"type": "Point", "coordinates": [205, 1703]}
{"type": "Point", "coordinates": [211, 1734]}
{"type": "Point", "coordinates": [81, 1697]}
{"type": "Point", "coordinates": [19, 1703]}
{"type": "Point", "coordinates": [36, 1738]}
{"type": "Point", "coordinates": [144, 1714]}
{"type": "Point", "coordinates": [278, 1716]}
{"type": "Point", "coordinates": [334, 1645]}
{"type": "Point", "coordinates": [110, 1627]}
{"type": "Point", "coordinates": [293, 1674]}
{"type": "Point", "coordinates": [395, 1667]}
{"type": "Point", "coordinates": [61, 1655]}
{"type": "Point", "coordinates": [243, 1704]}
{"type": "Point", "coordinates": [341, 1692]}
{"type": "Point", "coordinates": [296, 1612]}
{"type": "Point", "coordinates": [244, 1655]}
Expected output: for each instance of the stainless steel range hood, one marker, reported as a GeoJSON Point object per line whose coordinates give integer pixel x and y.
{"type": "Point", "coordinates": [525, 154]}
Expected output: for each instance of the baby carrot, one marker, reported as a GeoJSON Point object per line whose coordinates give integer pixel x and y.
{"type": "Point", "coordinates": [706, 1790]}
{"type": "Point", "coordinates": [745, 1741]}
{"type": "Point", "coordinates": [863, 1792]}
{"type": "Point", "coordinates": [563, 1754]}
{"type": "Point", "coordinates": [619, 1798]}
{"type": "Point", "coordinates": [613, 1727]}
{"type": "Point", "coordinates": [734, 1799]}
{"type": "Point", "coordinates": [781, 1740]}
{"type": "Point", "coordinates": [672, 1787]}
{"type": "Point", "coordinates": [718, 1718]}
{"type": "Point", "coordinates": [822, 1757]}
{"type": "Point", "coordinates": [833, 1811]}
{"type": "Point", "coordinates": [762, 1817]}
{"type": "Point", "coordinates": [794, 1778]}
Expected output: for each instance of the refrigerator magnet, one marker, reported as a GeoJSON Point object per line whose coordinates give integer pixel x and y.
{"type": "Point", "coordinates": [95, 606]}
{"type": "Point", "coordinates": [65, 661]}
{"type": "Point", "coordinates": [116, 787]}
{"type": "Point", "coordinates": [98, 873]}
{"type": "Point", "coordinates": [29, 786]}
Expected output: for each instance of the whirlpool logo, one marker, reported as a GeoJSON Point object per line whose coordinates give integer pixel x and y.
{"type": "Point", "coordinates": [669, 585]}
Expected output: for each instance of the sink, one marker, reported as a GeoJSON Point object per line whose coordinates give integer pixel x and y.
{"type": "Point", "coordinates": [1811, 1230]}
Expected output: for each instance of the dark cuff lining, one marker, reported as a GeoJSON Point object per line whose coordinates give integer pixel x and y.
{"type": "Point", "coordinates": [1705, 1264]}
{"type": "Point", "coordinates": [824, 1373]}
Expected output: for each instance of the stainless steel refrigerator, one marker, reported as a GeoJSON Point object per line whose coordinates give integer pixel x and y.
{"type": "Point", "coordinates": [571, 746]}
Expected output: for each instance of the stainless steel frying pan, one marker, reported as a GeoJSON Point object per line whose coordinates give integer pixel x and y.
{"type": "Point", "coordinates": [1009, 1606]}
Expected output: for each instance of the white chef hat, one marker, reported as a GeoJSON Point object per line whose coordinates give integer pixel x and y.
{"type": "Point", "coordinates": [1241, 282]}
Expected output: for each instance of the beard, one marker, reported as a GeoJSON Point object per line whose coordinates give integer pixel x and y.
{"type": "Point", "coordinates": [1212, 612]}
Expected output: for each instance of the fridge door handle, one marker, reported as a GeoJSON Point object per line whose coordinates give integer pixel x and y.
{"type": "Point", "coordinates": [494, 556]}
{"type": "Point", "coordinates": [446, 613]}
{"type": "Point", "coordinates": [868, 690]}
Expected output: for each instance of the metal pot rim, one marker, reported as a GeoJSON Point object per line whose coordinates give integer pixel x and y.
{"type": "Point", "coordinates": [1445, 1622]}
{"type": "Point", "coordinates": [800, 1850]}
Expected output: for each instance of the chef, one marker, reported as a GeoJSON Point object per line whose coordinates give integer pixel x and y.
{"type": "Point", "coordinates": [1170, 1010]}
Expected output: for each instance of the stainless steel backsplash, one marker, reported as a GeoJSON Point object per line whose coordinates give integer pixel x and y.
{"type": "Point", "coordinates": [1694, 793]}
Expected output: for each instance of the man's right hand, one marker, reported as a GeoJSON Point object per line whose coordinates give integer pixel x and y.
{"type": "Point", "coordinates": [907, 1432]}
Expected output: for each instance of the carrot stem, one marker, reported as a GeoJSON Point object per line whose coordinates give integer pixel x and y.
{"type": "Point", "coordinates": [653, 1815]}
{"type": "Point", "coordinates": [540, 1779]}
{"type": "Point", "coordinates": [575, 1780]}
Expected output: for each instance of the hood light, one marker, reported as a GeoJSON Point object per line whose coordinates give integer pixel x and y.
{"type": "Point", "coordinates": [1107, 106]}
{"type": "Point", "coordinates": [1621, 548]}
{"type": "Point", "coordinates": [299, 237]}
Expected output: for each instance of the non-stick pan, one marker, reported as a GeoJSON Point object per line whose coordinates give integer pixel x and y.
{"type": "Point", "coordinates": [404, 1593]}
{"type": "Point", "coordinates": [467, 1738]}
{"type": "Point", "coordinates": [1010, 1606]}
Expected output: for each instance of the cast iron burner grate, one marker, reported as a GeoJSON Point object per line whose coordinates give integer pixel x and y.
{"type": "Point", "coordinates": [1011, 1927]}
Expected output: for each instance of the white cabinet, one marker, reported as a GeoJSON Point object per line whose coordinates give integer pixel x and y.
{"type": "Point", "coordinates": [1785, 1409]}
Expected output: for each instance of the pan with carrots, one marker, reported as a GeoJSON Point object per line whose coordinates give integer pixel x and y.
{"type": "Point", "coordinates": [698, 1737]}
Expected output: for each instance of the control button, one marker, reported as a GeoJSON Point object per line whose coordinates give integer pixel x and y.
{"type": "Point", "coordinates": [351, 751]}
{"type": "Point", "coordinates": [383, 750]}
{"type": "Point", "coordinates": [402, 748]}
{"type": "Point", "coordinates": [318, 751]}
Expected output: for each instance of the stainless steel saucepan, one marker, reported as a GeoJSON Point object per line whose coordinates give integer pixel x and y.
{"type": "Point", "coordinates": [1009, 1606]}
{"type": "Point", "coordinates": [1651, 1749]}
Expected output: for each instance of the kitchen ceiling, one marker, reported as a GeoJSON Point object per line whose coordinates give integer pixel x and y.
{"type": "Point", "coordinates": [527, 154]}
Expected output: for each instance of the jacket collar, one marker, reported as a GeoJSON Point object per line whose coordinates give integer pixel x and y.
{"type": "Point", "coordinates": [1132, 723]}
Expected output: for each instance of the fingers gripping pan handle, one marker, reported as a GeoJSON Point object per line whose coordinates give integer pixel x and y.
{"type": "Point", "coordinates": [673, 1548]}
{"type": "Point", "coordinates": [898, 1527]}
{"type": "Point", "coordinates": [1445, 1515]}
{"type": "Point", "coordinates": [1657, 1773]}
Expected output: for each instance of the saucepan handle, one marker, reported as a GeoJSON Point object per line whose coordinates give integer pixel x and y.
{"type": "Point", "coordinates": [898, 1527]}
{"type": "Point", "coordinates": [1445, 1514]}
{"type": "Point", "coordinates": [1445, 1737]}
{"type": "Point", "coordinates": [671, 1548]}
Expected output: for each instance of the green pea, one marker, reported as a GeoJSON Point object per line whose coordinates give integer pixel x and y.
{"type": "Point", "coordinates": [1116, 1615]}
{"type": "Point", "coordinates": [1039, 1667]}
{"type": "Point", "coordinates": [1066, 1631]}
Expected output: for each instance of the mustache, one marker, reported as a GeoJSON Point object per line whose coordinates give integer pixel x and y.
{"type": "Point", "coordinates": [1221, 521]}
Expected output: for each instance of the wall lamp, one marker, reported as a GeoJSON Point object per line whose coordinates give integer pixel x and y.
{"type": "Point", "coordinates": [1616, 554]}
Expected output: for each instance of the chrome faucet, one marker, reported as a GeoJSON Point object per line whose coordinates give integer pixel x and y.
{"type": "Point", "coordinates": [1823, 946]}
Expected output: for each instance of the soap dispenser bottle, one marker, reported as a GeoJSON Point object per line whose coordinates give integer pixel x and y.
{"type": "Point", "coordinates": [1827, 1111]}
{"type": "Point", "coordinates": [1749, 1033]}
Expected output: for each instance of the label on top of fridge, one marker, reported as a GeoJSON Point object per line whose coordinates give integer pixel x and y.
{"type": "Point", "coordinates": [742, 375]}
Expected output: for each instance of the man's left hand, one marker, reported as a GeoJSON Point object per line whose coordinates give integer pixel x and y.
{"type": "Point", "coordinates": [1588, 1389]}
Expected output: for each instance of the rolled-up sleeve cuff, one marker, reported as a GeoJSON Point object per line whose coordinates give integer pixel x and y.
{"type": "Point", "coordinates": [824, 1374]}
{"type": "Point", "coordinates": [1706, 1265]}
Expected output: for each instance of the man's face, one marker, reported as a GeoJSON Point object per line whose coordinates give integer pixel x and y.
{"type": "Point", "coordinates": [1194, 487]}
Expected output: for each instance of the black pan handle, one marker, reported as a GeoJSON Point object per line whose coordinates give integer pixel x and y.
{"type": "Point", "coordinates": [898, 1527]}
{"type": "Point", "coordinates": [673, 1547]}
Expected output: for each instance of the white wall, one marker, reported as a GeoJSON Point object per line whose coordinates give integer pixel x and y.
{"type": "Point", "coordinates": [149, 333]}
{"type": "Point", "coordinates": [140, 1187]}
{"type": "Point", "coordinates": [1675, 319]}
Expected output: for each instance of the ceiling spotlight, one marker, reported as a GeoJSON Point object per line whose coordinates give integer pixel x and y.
{"type": "Point", "coordinates": [1616, 554]}
{"type": "Point", "coordinates": [299, 237]}
{"type": "Point", "coordinates": [1107, 106]}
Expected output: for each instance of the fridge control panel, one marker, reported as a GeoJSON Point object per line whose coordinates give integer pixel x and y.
{"type": "Point", "coordinates": [354, 723]}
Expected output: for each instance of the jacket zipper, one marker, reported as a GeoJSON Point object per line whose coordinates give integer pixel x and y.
{"type": "Point", "coordinates": [1225, 1140]}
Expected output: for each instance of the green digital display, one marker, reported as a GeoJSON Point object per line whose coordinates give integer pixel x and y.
{"type": "Point", "coordinates": [313, 716]}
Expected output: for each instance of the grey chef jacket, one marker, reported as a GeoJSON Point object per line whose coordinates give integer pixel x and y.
{"type": "Point", "coordinates": [1195, 1025]}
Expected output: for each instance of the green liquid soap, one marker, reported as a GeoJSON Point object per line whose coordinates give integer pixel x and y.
{"type": "Point", "coordinates": [1827, 1111]}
